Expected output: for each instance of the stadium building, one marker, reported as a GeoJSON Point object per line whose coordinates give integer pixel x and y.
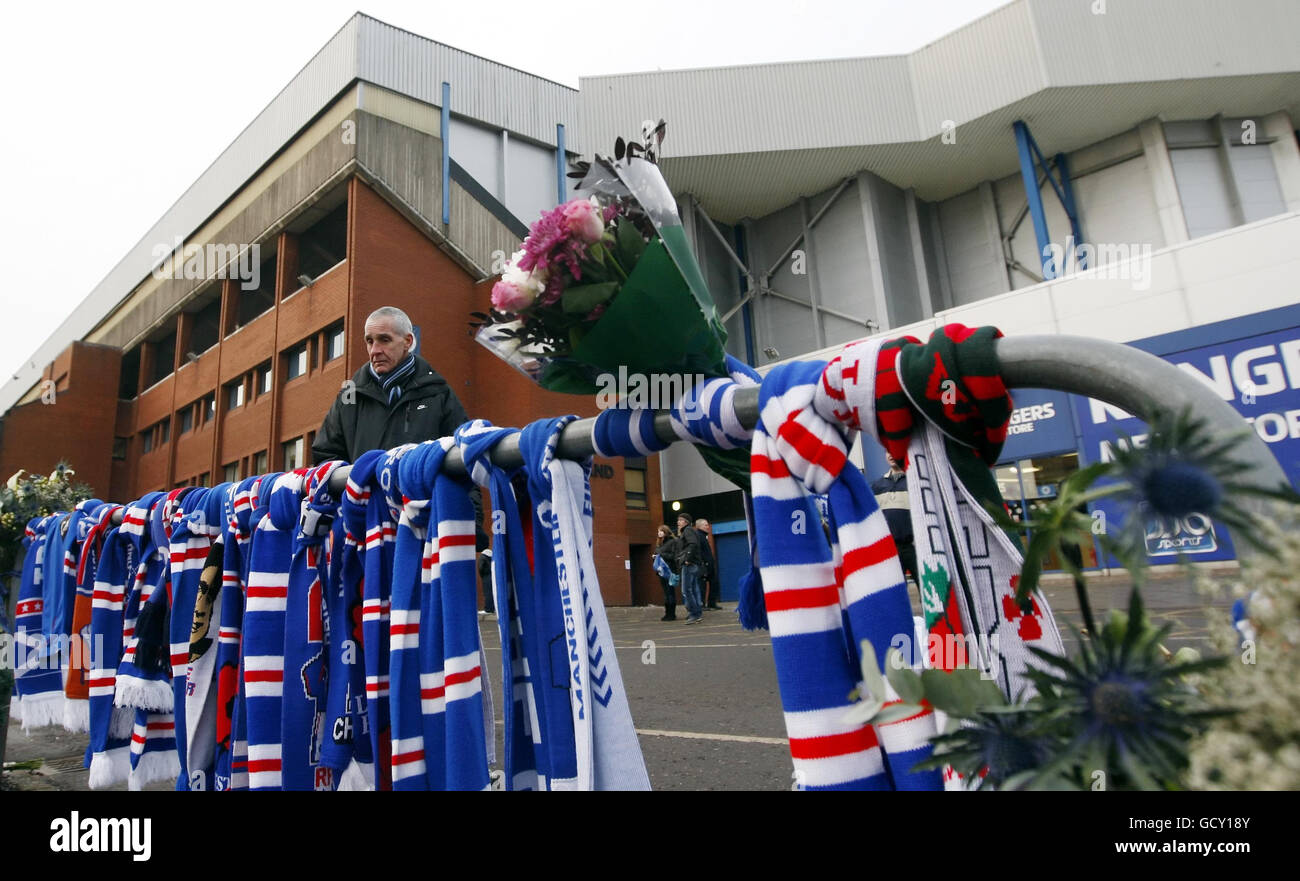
{"type": "Point", "coordinates": [1126, 171]}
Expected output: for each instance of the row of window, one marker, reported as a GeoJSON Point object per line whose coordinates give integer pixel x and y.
{"type": "Point", "coordinates": [319, 349]}
{"type": "Point", "coordinates": [321, 246]}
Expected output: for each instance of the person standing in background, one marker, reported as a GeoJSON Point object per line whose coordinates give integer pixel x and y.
{"type": "Point", "coordinates": [891, 494]}
{"type": "Point", "coordinates": [485, 577]}
{"type": "Point", "coordinates": [709, 590]}
{"type": "Point", "coordinates": [666, 552]}
{"type": "Point", "coordinates": [691, 557]}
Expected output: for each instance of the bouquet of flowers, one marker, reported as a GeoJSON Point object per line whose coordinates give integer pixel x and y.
{"type": "Point", "coordinates": [607, 285]}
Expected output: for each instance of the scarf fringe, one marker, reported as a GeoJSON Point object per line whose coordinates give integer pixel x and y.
{"type": "Point", "coordinates": [155, 766]}
{"type": "Point", "coordinates": [145, 694]}
{"type": "Point", "coordinates": [76, 715]}
{"type": "Point", "coordinates": [110, 768]}
{"type": "Point", "coordinates": [752, 610]}
{"type": "Point", "coordinates": [42, 710]}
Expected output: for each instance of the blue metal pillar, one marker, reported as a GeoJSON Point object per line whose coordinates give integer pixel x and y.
{"type": "Point", "coordinates": [561, 183]}
{"type": "Point", "coordinates": [1058, 175]}
{"type": "Point", "coordinates": [445, 132]}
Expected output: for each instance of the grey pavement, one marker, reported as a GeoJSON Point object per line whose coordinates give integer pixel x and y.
{"type": "Point", "coordinates": [703, 697]}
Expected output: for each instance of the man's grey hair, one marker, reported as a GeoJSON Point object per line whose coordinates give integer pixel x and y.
{"type": "Point", "coordinates": [396, 317]}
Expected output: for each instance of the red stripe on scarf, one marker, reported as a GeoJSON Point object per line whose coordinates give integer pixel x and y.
{"type": "Point", "coordinates": [833, 744]}
{"type": "Point", "coordinates": [802, 598]}
{"type": "Point", "coordinates": [811, 448]}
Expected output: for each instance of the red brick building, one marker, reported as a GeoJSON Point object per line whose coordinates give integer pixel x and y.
{"type": "Point", "coordinates": [218, 356]}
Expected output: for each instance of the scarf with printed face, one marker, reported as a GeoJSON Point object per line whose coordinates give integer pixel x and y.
{"type": "Point", "coordinates": [200, 699]}
{"type": "Point", "coordinates": [512, 582]}
{"type": "Point", "coordinates": [392, 381]}
{"type": "Point", "coordinates": [823, 599]}
{"type": "Point", "coordinates": [365, 507]}
{"type": "Point", "coordinates": [264, 628]}
{"type": "Point", "coordinates": [969, 572]}
{"type": "Point", "coordinates": [38, 681]}
{"type": "Point", "coordinates": [416, 760]}
{"type": "Point", "coordinates": [605, 751]}
{"type": "Point", "coordinates": [96, 525]}
{"type": "Point", "coordinates": [189, 543]}
{"type": "Point", "coordinates": [117, 577]}
{"type": "Point", "coordinates": [306, 639]}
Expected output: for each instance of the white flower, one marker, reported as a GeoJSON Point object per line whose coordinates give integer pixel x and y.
{"type": "Point", "coordinates": [533, 282]}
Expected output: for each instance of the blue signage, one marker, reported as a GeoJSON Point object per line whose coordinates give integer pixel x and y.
{"type": "Point", "coordinates": [1260, 377]}
{"type": "Point", "coordinates": [1040, 424]}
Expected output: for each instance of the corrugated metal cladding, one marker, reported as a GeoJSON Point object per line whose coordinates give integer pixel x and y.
{"type": "Point", "coordinates": [484, 90]}
{"type": "Point", "coordinates": [1165, 39]}
{"type": "Point", "coordinates": [763, 107]}
{"type": "Point", "coordinates": [992, 63]}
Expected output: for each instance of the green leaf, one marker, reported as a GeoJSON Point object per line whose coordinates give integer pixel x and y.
{"type": "Point", "coordinates": [905, 681]}
{"type": "Point", "coordinates": [895, 712]}
{"type": "Point", "coordinates": [585, 297]}
{"type": "Point", "coordinates": [871, 677]}
{"type": "Point", "coordinates": [960, 692]}
{"type": "Point", "coordinates": [629, 241]}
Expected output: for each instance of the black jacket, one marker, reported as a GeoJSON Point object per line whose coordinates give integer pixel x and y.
{"type": "Point", "coordinates": [428, 409]}
{"type": "Point", "coordinates": [688, 548]}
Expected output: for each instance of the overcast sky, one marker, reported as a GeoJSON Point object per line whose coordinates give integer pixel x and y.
{"type": "Point", "coordinates": [113, 110]}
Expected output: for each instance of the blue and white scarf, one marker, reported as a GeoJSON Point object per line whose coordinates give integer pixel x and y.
{"type": "Point", "coordinates": [598, 728]}
{"type": "Point", "coordinates": [822, 599]}
{"type": "Point", "coordinates": [306, 637]}
{"type": "Point", "coordinates": [391, 382]}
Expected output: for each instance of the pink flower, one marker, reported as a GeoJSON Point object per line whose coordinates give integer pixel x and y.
{"type": "Point", "coordinates": [598, 311]}
{"type": "Point", "coordinates": [509, 297]}
{"type": "Point", "coordinates": [583, 220]}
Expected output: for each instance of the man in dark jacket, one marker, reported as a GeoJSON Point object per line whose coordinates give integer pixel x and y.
{"type": "Point", "coordinates": [397, 398]}
{"type": "Point", "coordinates": [891, 494]}
{"type": "Point", "coordinates": [691, 559]}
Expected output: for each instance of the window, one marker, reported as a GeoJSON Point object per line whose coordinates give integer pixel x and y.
{"type": "Point", "coordinates": [185, 420]}
{"type": "Point", "coordinates": [260, 463]}
{"type": "Point", "coordinates": [128, 385]}
{"type": "Point", "coordinates": [293, 454]}
{"type": "Point", "coordinates": [203, 478]}
{"type": "Point", "coordinates": [230, 472]}
{"type": "Point", "coordinates": [297, 362]}
{"type": "Point", "coordinates": [120, 446]}
{"type": "Point", "coordinates": [334, 342]}
{"type": "Point", "coordinates": [208, 407]}
{"type": "Point", "coordinates": [146, 439]}
{"type": "Point", "coordinates": [253, 303]}
{"type": "Point", "coordinates": [235, 394]}
{"type": "Point", "coordinates": [324, 245]}
{"type": "Point", "coordinates": [634, 482]}
{"type": "Point", "coordinates": [207, 324]}
{"type": "Point", "coordinates": [164, 358]}
{"type": "Point", "coordinates": [164, 431]}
